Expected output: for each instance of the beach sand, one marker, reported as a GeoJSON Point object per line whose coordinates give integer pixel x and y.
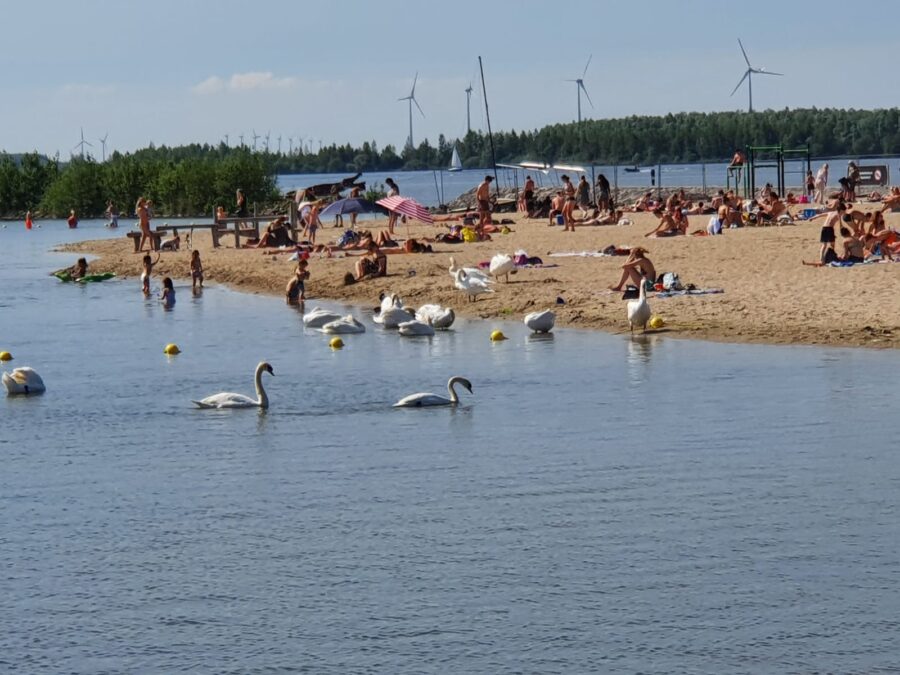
{"type": "Point", "coordinates": [769, 297]}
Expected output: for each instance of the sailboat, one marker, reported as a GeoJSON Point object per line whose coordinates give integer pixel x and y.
{"type": "Point", "coordinates": [455, 162]}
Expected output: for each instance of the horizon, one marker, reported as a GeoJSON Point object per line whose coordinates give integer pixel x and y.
{"type": "Point", "coordinates": [345, 89]}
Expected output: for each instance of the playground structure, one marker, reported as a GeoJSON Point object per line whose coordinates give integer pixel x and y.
{"type": "Point", "coordinates": [785, 161]}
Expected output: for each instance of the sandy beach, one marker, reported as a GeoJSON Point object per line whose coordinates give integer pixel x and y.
{"type": "Point", "coordinates": [769, 297]}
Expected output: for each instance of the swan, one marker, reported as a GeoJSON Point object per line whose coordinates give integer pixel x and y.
{"type": "Point", "coordinates": [389, 300]}
{"type": "Point", "coordinates": [639, 310]}
{"type": "Point", "coordinates": [424, 399]}
{"type": "Point", "coordinates": [470, 272]}
{"type": "Point", "coordinates": [229, 400]}
{"type": "Point", "coordinates": [23, 381]}
{"type": "Point", "coordinates": [501, 265]}
{"type": "Point", "coordinates": [415, 328]}
{"type": "Point", "coordinates": [471, 286]}
{"type": "Point", "coordinates": [344, 325]}
{"type": "Point", "coordinates": [392, 312]}
{"type": "Point", "coordinates": [439, 317]}
{"type": "Point", "coordinates": [540, 322]}
{"type": "Point", "coordinates": [318, 317]}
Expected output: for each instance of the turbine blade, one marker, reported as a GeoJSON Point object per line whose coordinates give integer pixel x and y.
{"type": "Point", "coordinates": [744, 53]}
{"type": "Point", "coordinates": [581, 84]}
{"type": "Point", "coordinates": [88, 143]}
{"type": "Point", "coordinates": [419, 107]}
{"type": "Point", "coordinates": [768, 72]}
{"type": "Point", "coordinates": [746, 74]}
{"type": "Point", "coordinates": [412, 93]}
{"type": "Point", "coordinates": [586, 66]}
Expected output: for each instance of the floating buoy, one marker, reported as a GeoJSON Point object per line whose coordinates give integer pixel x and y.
{"type": "Point", "coordinates": [656, 322]}
{"type": "Point", "coordinates": [497, 335]}
{"type": "Point", "coordinates": [5, 356]}
{"type": "Point", "coordinates": [171, 349]}
{"type": "Point", "coordinates": [336, 343]}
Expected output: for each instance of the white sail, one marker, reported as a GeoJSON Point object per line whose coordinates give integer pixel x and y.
{"type": "Point", "coordinates": [455, 163]}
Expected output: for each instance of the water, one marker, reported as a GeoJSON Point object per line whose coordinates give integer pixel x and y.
{"type": "Point", "coordinates": [600, 504]}
{"type": "Point", "coordinates": [420, 185]}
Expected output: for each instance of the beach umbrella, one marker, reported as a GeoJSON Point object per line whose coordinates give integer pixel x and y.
{"type": "Point", "coordinates": [350, 205]}
{"type": "Point", "coordinates": [407, 207]}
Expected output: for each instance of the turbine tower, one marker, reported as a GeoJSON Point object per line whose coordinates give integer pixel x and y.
{"type": "Point", "coordinates": [748, 75]}
{"type": "Point", "coordinates": [226, 140]}
{"type": "Point", "coordinates": [469, 108]}
{"type": "Point", "coordinates": [290, 145]}
{"type": "Point", "coordinates": [579, 87]}
{"type": "Point", "coordinates": [279, 144]}
{"type": "Point", "coordinates": [241, 139]}
{"type": "Point", "coordinates": [103, 145]}
{"type": "Point", "coordinates": [82, 144]}
{"type": "Point", "coordinates": [267, 141]}
{"type": "Point", "coordinates": [255, 136]}
{"type": "Point", "coordinates": [412, 99]}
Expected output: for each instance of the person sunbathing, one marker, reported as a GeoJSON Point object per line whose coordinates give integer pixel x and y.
{"type": "Point", "coordinates": [636, 268]}
{"type": "Point", "coordinates": [854, 251]}
{"type": "Point", "coordinates": [891, 201]}
{"type": "Point", "coordinates": [276, 234]}
{"type": "Point", "coordinates": [772, 208]}
{"type": "Point", "coordinates": [372, 264]}
{"type": "Point", "coordinates": [643, 204]}
{"type": "Point", "coordinates": [667, 226]}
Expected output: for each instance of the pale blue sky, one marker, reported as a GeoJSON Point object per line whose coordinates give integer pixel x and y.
{"type": "Point", "coordinates": [176, 71]}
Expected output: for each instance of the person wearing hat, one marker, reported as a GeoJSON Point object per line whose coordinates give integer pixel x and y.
{"type": "Point", "coordinates": [637, 269]}
{"type": "Point", "coordinates": [483, 197]}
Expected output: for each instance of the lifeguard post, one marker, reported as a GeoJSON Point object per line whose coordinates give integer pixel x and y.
{"type": "Point", "coordinates": [786, 162]}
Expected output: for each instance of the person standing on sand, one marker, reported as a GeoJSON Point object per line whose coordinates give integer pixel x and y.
{"type": "Point", "coordinates": [483, 197]}
{"type": "Point", "coordinates": [821, 184]}
{"type": "Point", "coordinates": [354, 194]}
{"type": "Point", "coordinates": [604, 203]}
{"type": "Point", "coordinates": [583, 194]}
{"type": "Point", "coordinates": [827, 236]}
{"type": "Point", "coordinates": [810, 184]}
{"type": "Point", "coordinates": [143, 215]}
{"type": "Point", "coordinates": [569, 205]}
{"type": "Point", "coordinates": [393, 191]}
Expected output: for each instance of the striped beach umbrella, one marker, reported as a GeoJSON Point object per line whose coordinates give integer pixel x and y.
{"type": "Point", "coordinates": [407, 207]}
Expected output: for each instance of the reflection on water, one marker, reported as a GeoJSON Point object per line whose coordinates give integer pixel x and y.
{"type": "Point", "coordinates": [597, 495]}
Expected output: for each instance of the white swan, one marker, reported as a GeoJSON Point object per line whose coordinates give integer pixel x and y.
{"type": "Point", "coordinates": [344, 325]}
{"type": "Point", "coordinates": [389, 300]}
{"type": "Point", "coordinates": [23, 381]}
{"type": "Point", "coordinates": [639, 310]}
{"type": "Point", "coordinates": [318, 317]}
{"type": "Point", "coordinates": [501, 265]}
{"type": "Point", "coordinates": [425, 399]}
{"type": "Point", "coordinates": [392, 312]}
{"type": "Point", "coordinates": [229, 400]}
{"type": "Point", "coordinates": [540, 322]}
{"type": "Point", "coordinates": [439, 317]}
{"type": "Point", "coordinates": [410, 328]}
{"type": "Point", "coordinates": [473, 272]}
{"type": "Point", "coordinates": [471, 286]}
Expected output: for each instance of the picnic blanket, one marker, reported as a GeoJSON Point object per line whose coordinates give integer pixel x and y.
{"type": "Point", "coordinates": [693, 291]}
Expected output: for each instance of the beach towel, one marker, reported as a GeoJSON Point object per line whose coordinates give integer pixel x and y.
{"type": "Point", "coordinates": [695, 291]}
{"type": "Point", "coordinates": [581, 254]}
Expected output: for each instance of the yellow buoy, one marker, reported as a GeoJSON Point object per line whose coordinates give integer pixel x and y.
{"type": "Point", "coordinates": [336, 343]}
{"type": "Point", "coordinates": [171, 349]}
{"type": "Point", "coordinates": [5, 356]}
{"type": "Point", "coordinates": [656, 322]}
{"type": "Point", "coordinates": [497, 335]}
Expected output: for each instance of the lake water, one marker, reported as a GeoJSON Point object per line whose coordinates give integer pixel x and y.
{"type": "Point", "coordinates": [601, 504]}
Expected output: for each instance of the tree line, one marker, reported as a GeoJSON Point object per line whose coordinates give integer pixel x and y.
{"type": "Point", "coordinates": [193, 179]}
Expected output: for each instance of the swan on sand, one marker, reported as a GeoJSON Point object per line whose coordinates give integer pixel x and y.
{"type": "Point", "coordinates": [424, 399]}
{"type": "Point", "coordinates": [229, 400]}
{"type": "Point", "coordinates": [639, 310]}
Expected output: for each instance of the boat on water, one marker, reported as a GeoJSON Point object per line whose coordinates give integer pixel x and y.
{"type": "Point", "coordinates": [455, 162]}
{"type": "Point", "coordinates": [632, 169]}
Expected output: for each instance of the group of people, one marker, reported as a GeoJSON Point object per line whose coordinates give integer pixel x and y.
{"type": "Point", "coordinates": [863, 235]}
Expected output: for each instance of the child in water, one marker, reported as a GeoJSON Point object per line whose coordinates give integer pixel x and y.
{"type": "Point", "coordinates": [168, 294]}
{"type": "Point", "coordinates": [148, 266]}
{"type": "Point", "coordinates": [79, 270]}
{"type": "Point", "coordinates": [295, 292]}
{"type": "Point", "coordinates": [196, 270]}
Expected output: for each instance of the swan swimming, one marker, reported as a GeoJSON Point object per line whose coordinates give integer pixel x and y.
{"type": "Point", "coordinates": [439, 317]}
{"type": "Point", "coordinates": [639, 310]}
{"type": "Point", "coordinates": [23, 381]}
{"type": "Point", "coordinates": [318, 317]}
{"type": "Point", "coordinates": [344, 325]}
{"type": "Point", "coordinates": [471, 286]}
{"type": "Point", "coordinates": [540, 322]}
{"type": "Point", "coordinates": [424, 399]}
{"type": "Point", "coordinates": [473, 272]}
{"type": "Point", "coordinates": [229, 400]}
{"type": "Point", "coordinates": [411, 328]}
{"type": "Point", "coordinates": [501, 265]}
{"type": "Point", "coordinates": [392, 312]}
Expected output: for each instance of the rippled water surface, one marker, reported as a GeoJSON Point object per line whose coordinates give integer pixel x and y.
{"type": "Point", "coordinates": [600, 504]}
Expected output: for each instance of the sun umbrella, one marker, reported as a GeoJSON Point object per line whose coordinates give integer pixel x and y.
{"type": "Point", "coordinates": [407, 207]}
{"type": "Point", "coordinates": [350, 205]}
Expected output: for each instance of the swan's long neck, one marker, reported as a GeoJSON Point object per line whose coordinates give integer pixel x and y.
{"type": "Point", "coordinates": [453, 397]}
{"type": "Point", "coordinates": [261, 398]}
{"type": "Point", "coordinates": [642, 294]}
{"type": "Point", "coordinates": [452, 265]}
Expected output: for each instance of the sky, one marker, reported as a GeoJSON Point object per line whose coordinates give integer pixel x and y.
{"type": "Point", "coordinates": [180, 71]}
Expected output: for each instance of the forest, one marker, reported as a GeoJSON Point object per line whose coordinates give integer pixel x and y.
{"type": "Point", "coordinates": [193, 179]}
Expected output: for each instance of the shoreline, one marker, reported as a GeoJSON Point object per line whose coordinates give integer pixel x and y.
{"type": "Point", "coordinates": [768, 298]}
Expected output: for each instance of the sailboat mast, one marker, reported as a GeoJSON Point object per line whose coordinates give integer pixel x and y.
{"type": "Point", "coordinates": [487, 115]}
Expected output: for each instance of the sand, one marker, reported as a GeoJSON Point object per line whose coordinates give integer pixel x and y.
{"type": "Point", "coordinates": [769, 297]}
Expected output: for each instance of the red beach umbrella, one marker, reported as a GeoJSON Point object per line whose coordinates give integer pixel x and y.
{"type": "Point", "coordinates": [407, 207]}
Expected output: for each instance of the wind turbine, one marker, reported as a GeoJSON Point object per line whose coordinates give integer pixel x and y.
{"type": "Point", "coordinates": [290, 145]}
{"type": "Point", "coordinates": [82, 144]}
{"type": "Point", "coordinates": [748, 75]}
{"type": "Point", "coordinates": [267, 141]}
{"type": "Point", "coordinates": [226, 140]}
{"type": "Point", "coordinates": [412, 99]}
{"type": "Point", "coordinates": [255, 136]}
{"type": "Point", "coordinates": [469, 108]}
{"type": "Point", "coordinates": [579, 87]}
{"type": "Point", "coordinates": [103, 144]}
{"type": "Point", "coordinates": [279, 144]}
{"type": "Point", "coordinates": [241, 138]}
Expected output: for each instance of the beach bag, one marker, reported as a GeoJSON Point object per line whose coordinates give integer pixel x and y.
{"type": "Point", "coordinates": [469, 234]}
{"type": "Point", "coordinates": [671, 282]}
